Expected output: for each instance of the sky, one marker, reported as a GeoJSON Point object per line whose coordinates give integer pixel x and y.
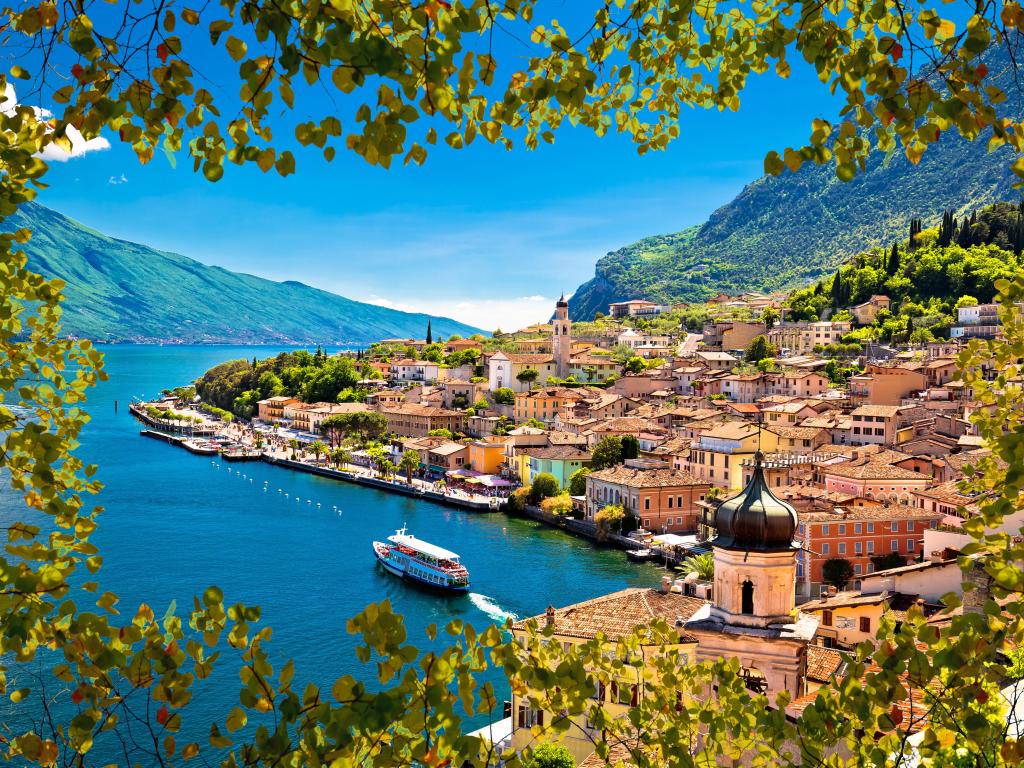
{"type": "Point", "coordinates": [482, 235]}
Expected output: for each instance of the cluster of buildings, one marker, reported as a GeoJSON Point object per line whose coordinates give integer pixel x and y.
{"type": "Point", "coordinates": [748, 612]}
{"type": "Point", "coordinates": [868, 466]}
{"type": "Point", "coordinates": [778, 473]}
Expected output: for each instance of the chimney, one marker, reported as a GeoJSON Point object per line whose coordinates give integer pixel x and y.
{"type": "Point", "coordinates": [666, 585]}
{"type": "Point", "coordinates": [549, 616]}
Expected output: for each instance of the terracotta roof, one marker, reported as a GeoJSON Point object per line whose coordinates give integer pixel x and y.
{"type": "Point", "coordinates": [849, 599]}
{"type": "Point", "coordinates": [556, 453]}
{"type": "Point", "coordinates": [877, 410]}
{"type": "Point", "coordinates": [416, 409]}
{"type": "Point", "coordinates": [873, 470]}
{"type": "Point", "coordinates": [618, 614]}
{"type": "Point", "coordinates": [854, 514]}
{"type": "Point", "coordinates": [646, 478]}
{"type": "Point", "coordinates": [531, 359]}
{"type": "Point", "coordinates": [743, 407]}
{"type": "Point", "coordinates": [794, 433]}
{"type": "Point", "coordinates": [732, 430]}
{"type": "Point", "coordinates": [617, 754]}
{"type": "Point", "coordinates": [823, 662]}
{"type": "Point", "coordinates": [448, 448]}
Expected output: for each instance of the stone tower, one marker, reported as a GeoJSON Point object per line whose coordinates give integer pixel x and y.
{"type": "Point", "coordinates": [561, 338]}
{"type": "Point", "coordinates": [753, 614]}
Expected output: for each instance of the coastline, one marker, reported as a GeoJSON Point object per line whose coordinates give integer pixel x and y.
{"type": "Point", "coordinates": [578, 528]}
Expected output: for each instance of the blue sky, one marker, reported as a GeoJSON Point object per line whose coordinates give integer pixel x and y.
{"type": "Point", "coordinates": [482, 235]}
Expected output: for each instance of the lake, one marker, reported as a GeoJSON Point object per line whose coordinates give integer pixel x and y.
{"type": "Point", "coordinates": [175, 523]}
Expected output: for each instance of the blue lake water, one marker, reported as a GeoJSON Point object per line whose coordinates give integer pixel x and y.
{"type": "Point", "coordinates": [175, 523]}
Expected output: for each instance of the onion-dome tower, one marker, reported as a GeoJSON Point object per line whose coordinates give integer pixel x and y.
{"type": "Point", "coordinates": [755, 556]}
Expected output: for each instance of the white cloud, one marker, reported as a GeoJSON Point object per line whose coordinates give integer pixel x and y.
{"type": "Point", "coordinates": [53, 153]}
{"type": "Point", "coordinates": [116, 180]}
{"type": "Point", "coordinates": [488, 314]}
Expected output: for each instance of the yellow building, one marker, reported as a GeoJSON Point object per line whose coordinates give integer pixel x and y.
{"type": "Point", "coordinates": [615, 616]}
{"type": "Point", "coordinates": [487, 456]}
{"type": "Point", "coordinates": [719, 453]}
{"type": "Point", "coordinates": [546, 403]}
{"type": "Point", "coordinates": [848, 618]}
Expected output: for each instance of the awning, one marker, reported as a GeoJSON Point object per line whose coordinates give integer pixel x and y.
{"type": "Point", "coordinates": [463, 472]}
{"type": "Point", "coordinates": [493, 481]}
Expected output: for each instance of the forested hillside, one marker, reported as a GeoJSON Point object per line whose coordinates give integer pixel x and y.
{"type": "Point", "coordinates": [926, 276]}
{"type": "Point", "coordinates": [786, 230]}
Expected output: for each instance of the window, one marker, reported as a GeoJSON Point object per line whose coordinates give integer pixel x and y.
{"type": "Point", "coordinates": [824, 530]}
{"type": "Point", "coordinates": [858, 528]}
{"type": "Point", "coordinates": [895, 525]}
{"type": "Point", "coordinates": [826, 618]}
{"type": "Point", "coordinates": [824, 548]}
{"type": "Point", "coordinates": [842, 529]}
{"type": "Point", "coordinates": [647, 503]}
{"type": "Point", "coordinates": [856, 568]}
{"type": "Point", "coordinates": [858, 547]}
{"type": "Point", "coordinates": [871, 547]}
{"type": "Point", "coordinates": [910, 526]}
{"type": "Point", "coordinates": [871, 527]}
{"type": "Point", "coordinates": [747, 598]}
{"type": "Point", "coordinates": [842, 547]}
{"type": "Point", "coordinates": [599, 693]}
{"type": "Point", "coordinates": [895, 545]}
{"type": "Point", "coordinates": [670, 502]}
{"type": "Point", "coordinates": [865, 624]}
{"type": "Point", "coordinates": [910, 545]}
{"type": "Point", "coordinates": [529, 717]}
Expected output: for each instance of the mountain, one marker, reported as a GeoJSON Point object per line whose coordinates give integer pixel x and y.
{"type": "Point", "coordinates": [782, 231]}
{"type": "Point", "coordinates": [122, 291]}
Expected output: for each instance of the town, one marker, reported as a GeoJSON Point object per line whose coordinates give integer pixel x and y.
{"type": "Point", "coordinates": [676, 445]}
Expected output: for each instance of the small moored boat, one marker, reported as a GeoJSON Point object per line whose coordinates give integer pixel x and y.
{"type": "Point", "coordinates": [422, 563]}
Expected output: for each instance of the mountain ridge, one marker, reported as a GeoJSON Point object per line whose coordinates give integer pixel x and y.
{"type": "Point", "coordinates": [783, 231]}
{"type": "Point", "coordinates": [120, 291]}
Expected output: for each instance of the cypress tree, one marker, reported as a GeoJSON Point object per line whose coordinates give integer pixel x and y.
{"type": "Point", "coordinates": [430, 336]}
{"type": "Point", "coordinates": [893, 265]}
{"type": "Point", "coordinates": [837, 289]}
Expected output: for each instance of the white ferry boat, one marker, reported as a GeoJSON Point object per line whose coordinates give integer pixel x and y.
{"type": "Point", "coordinates": [422, 563]}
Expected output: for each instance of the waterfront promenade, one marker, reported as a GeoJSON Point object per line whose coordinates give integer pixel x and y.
{"type": "Point", "coordinates": [275, 450]}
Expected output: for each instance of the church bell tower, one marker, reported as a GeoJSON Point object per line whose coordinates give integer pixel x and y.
{"type": "Point", "coordinates": [561, 338]}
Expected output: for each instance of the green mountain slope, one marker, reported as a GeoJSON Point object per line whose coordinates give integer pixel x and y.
{"type": "Point", "coordinates": [790, 229]}
{"type": "Point", "coordinates": [122, 291]}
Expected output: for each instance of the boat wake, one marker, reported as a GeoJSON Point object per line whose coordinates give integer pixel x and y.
{"type": "Point", "coordinates": [493, 611]}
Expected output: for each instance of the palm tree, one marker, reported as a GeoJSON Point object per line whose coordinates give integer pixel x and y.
{"type": "Point", "coordinates": [318, 447]}
{"type": "Point", "coordinates": [387, 468]}
{"type": "Point", "coordinates": [409, 463]}
{"type": "Point", "coordinates": [703, 565]}
{"type": "Point", "coordinates": [340, 457]}
{"type": "Point", "coordinates": [294, 445]}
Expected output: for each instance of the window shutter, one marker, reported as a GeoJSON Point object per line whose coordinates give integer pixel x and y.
{"type": "Point", "coordinates": [522, 716]}
{"type": "Point", "coordinates": [540, 717]}
{"type": "Point", "coordinates": [635, 698]}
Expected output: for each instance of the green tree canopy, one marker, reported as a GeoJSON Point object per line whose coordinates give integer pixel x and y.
{"type": "Point", "coordinates": [544, 485]}
{"type": "Point", "coordinates": [837, 571]}
{"type": "Point", "coordinates": [578, 482]}
{"type": "Point", "coordinates": [607, 452]}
